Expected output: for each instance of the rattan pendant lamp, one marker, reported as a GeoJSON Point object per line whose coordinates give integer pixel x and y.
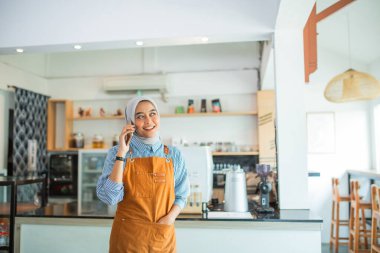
{"type": "Point", "coordinates": [351, 85]}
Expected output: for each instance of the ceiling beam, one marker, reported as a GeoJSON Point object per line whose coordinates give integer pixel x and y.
{"type": "Point", "coordinates": [310, 44]}
{"type": "Point", "coordinates": [310, 35]}
{"type": "Point", "coordinates": [332, 9]}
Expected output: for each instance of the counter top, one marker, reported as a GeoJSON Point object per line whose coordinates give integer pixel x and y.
{"type": "Point", "coordinates": [364, 173]}
{"type": "Point", "coordinates": [70, 210]}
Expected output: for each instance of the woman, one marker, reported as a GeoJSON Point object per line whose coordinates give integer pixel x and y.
{"type": "Point", "coordinates": [147, 179]}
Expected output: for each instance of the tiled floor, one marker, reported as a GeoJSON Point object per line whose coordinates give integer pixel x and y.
{"type": "Point", "coordinates": [326, 248]}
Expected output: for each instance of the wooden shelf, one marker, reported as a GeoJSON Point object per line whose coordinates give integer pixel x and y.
{"type": "Point", "coordinates": [208, 114]}
{"type": "Point", "coordinates": [100, 118]}
{"type": "Point", "coordinates": [176, 115]}
{"type": "Point", "coordinates": [234, 153]}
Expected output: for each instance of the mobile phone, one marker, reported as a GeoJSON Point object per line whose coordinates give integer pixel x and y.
{"type": "Point", "coordinates": [129, 135]}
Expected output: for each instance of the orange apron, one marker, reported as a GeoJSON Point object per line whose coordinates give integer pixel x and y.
{"type": "Point", "coordinates": [148, 196]}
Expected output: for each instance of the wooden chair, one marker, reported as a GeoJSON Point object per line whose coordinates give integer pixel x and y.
{"type": "Point", "coordinates": [358, 233]}
{"type": "Point", "coordinates": [375, 196]}
{"type": "Point", "coordinates": [336, 222]}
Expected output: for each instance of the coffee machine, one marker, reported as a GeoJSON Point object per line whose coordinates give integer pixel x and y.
{"type": "Point", "coordinates": [198, 161]}
{"type": "Point", "coordinates": [265, 188]}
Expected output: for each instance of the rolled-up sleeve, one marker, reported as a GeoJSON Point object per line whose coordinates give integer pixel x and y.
{"type": "Point", "coordinates": [107, 190]}
{"type": "Point", "coordinates": [182, 184]}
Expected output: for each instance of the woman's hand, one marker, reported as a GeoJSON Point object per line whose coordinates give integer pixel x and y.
{"type": "Point", "coordinates": [125, 139]}
{"type": "Point", "coordinates": [167, 219]}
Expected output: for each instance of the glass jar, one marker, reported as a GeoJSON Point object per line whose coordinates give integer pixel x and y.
{"type": "Point", "coordinates": [98, 141]}
{"type": "Point", "coordinates": [77, 140]}
{"type": "Point", "coordinates": [115, 140]}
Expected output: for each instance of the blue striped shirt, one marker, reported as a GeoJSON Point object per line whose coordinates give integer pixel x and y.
{"type": "Point", "coordinates": [111, 192]}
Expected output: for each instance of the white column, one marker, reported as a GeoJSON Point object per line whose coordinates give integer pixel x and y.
{"type": "Point", "coordinates": [291, 119]}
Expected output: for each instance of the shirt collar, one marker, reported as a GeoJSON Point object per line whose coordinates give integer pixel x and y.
{"type": "Point", "coordinates": [140, 146]}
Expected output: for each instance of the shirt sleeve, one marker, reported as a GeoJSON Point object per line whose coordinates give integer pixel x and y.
{"type": "Point", "coordinates": [107, 190]}
{"type": "Point", "coordinates": [181, 184]}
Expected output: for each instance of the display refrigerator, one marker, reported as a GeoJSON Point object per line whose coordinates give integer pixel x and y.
{"type": "Point", "coordinates": [91, 162]}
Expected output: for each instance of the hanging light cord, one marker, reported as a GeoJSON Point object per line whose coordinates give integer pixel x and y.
{"type": "Point", "coordinates": [349, 41]}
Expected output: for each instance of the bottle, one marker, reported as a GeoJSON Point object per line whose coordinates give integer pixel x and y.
{"type": "Point", "coordinates": [4, 234]}
{"type": "Point", "coordinates": [203, 105]}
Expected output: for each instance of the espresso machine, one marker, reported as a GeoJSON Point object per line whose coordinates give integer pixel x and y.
{"type": "Point", "coordinates": [265, 188]}
{"type": "Point", "coordinates": [198, 162]}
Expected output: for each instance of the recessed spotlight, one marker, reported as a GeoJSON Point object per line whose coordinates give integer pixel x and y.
{"type": "Point", "coordinates": [19, 50]}
{"type": "Point", "coordinates": [204, 39]}
{"type": "Point", "coordinates": [139, 43]}
{"type": "Point", "coordinates": [77, 47]}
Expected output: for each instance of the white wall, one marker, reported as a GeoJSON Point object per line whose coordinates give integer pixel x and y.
{"type": "Point", "coordinates": [225, 71]}
{"type": "Point", "coordinates": [374, 70]}
{"type": "Point", "coordinates": [13, 76]}
{"type": "Point", "coordinates": [352, 137]}
{"type": "Point", "coordinates": [33, 64]}
{"type": "Point", "coordinates": [194, 58]}
{"type": "Point", "coordinates": [6, 102]}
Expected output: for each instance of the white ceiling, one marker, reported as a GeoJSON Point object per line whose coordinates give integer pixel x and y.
{"type": "Point", "coordinates": [41, 26]}
{"type": "Point", "coordinates": [251, 20]}
{"type": "Point", "coordinates": [364, 30]}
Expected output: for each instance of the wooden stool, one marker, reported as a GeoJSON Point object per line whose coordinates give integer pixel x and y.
{"type": "Point", "coordinates": [336, 222]}
{"type": "Point", "coordinates": [357, 224]}
{"type": "Point", "coordinates": [375, 195]}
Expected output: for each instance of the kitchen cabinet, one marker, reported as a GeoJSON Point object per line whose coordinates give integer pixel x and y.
{"type": "Point", "coordinates": [266, 127]}
{"type": "Point", "coordinates": [59, 124]}
{"type": "Point", "coordinates": [90, 168]}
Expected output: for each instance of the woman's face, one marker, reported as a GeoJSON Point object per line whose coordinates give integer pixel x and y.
{"type": "Point", "coordinates": [147, 121]}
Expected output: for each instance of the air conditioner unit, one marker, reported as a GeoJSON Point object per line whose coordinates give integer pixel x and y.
{"type": "Point", "coordinates": [137, 84]}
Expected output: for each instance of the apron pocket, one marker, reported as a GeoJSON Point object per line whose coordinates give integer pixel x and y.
{"type": "Point", "coordinates": [143, 184]}
{"type": "Point", "coordinates": [163, 231]}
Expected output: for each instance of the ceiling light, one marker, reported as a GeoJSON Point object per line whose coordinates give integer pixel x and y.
{"type": "Point", "coordinates": [139, 43]}
{"type": "Point", "coordinates": [351, 85]}
{"type": "Point", "coordinates": [19, 50]}
{"type": "Point", "coordinates": [77, 47]}
{"type": "Point", "coordinates": [204, 39]}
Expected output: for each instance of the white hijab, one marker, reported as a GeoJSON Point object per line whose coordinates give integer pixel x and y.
{"type": "Point", "coordinates": [130, 111]}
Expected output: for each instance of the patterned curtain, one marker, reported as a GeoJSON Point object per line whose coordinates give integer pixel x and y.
{"type": "Point", "coordinates": [29, 129]}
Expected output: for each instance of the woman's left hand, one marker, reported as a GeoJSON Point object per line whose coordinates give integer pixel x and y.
{"type": "Point", "coordinates": [167, 219]}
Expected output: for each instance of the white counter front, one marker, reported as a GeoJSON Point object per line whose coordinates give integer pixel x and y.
{"type": "Point", "coordinates": [63, 235]}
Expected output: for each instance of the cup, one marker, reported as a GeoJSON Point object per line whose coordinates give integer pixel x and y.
{"type": "Point", "coordinates": [179, 109]}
